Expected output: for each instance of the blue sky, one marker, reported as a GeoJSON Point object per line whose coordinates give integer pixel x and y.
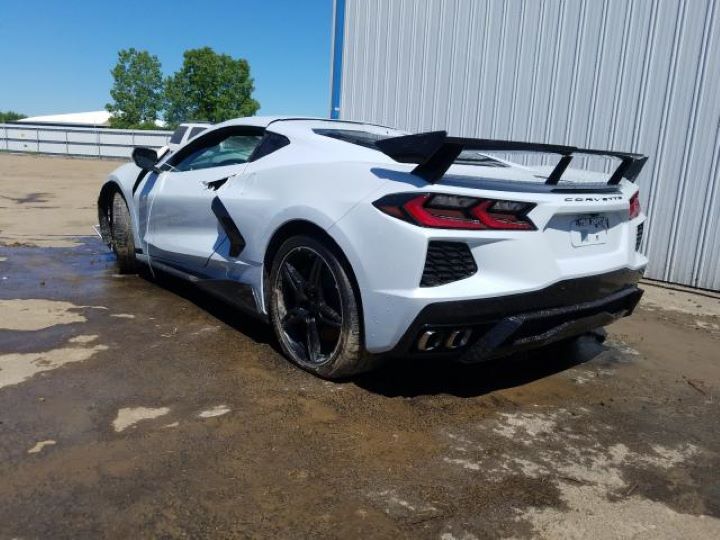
{"type": "Point", "coordinates": [56, 56]}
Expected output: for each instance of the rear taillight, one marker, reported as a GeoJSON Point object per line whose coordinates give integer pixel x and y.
{"type": "Point", "coordinates": [635, 205]}
{"type": "Point", "coordinates": [440, 211]}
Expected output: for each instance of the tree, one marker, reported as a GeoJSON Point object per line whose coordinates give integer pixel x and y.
{"type": "Point", "coordinates": [137, 92]}
{"type": "Point", "coordinates": [10, 116]}
{"type": "Point", "coordinates": [211, 87]}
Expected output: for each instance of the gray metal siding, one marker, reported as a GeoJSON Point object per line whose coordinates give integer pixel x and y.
{"type": "Point", "coordinates": [636, 75]}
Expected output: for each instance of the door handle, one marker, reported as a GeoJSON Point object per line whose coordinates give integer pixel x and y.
{"type": "Point", "coordinates": [214, 185]}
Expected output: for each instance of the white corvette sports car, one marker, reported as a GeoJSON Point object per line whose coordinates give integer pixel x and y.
{"type": "Point", "coordinates": [359, 242]}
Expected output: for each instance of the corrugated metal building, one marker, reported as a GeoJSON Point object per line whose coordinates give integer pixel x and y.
{"type": "Point", "coordinates": [635, 75]}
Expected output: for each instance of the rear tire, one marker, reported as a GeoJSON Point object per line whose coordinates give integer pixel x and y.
{"type": "Point", "coordinates": [314, 310]}
{"type": "Point", "coordinates": [122, 241]}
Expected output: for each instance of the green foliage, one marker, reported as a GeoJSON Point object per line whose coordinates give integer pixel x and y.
{"type": "Point", "coordinates": [137, 91]}
{"type": "Point", "coordinates": [10, 116]}
{"type": "Point", "coordinates": [211, 87]}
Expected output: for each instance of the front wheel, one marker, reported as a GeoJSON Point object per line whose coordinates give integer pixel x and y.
{"type": "Point", "coordinates": [314, 310]}
{"type": "Point", "coordinates": [121, 236]}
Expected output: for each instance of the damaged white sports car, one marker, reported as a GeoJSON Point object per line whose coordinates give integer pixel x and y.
{"type": "Point", "coordinates": [358, 242]}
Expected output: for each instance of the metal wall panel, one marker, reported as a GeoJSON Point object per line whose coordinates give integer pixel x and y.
{"type": "Point", "coordinates": [636, 75]}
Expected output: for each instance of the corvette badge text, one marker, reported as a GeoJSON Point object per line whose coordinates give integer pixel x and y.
{"type": "Point", "coordinates": [594, 199]}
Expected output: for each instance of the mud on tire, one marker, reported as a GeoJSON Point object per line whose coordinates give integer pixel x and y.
{"type": "Point", "coordinates": [121, 236]}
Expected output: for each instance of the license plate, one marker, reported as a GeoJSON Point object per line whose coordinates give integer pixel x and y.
{"type": "Point", "coordinates": [589, 231]}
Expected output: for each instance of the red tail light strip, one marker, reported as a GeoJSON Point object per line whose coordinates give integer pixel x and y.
{"type": "Point", "coordinates": [635, 205]}
{"type": "Point", "coordinates": [441, 211]}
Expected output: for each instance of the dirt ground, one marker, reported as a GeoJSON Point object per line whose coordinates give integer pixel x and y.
{"type": "Point", "coordinates": [132, 408]}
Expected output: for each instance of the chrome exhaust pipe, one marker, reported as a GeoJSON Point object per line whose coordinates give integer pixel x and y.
{"type": "Point", "coordinates": [429, 341]}
{"type": "Point", "coordinates": [457, 339]}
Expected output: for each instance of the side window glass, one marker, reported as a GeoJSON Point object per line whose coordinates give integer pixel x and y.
{"type": "Point", "coordinates": [230, 150]}
{"type": "Point", "coordinates": [178, 135]}
{"type": "Point", "coordinates": [194, 132]}
{"type": "Point", "coordinates": [270, 143]}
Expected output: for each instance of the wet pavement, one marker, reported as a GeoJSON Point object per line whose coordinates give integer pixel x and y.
{"type": "Point", "coordinates": [136, 407]}
{"type": "Point", "coordinates": [133, 407]}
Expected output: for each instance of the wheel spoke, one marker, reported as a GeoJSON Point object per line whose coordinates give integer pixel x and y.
{"type": "Point", "coordinates": [329, 316]}
{"type": "Point", "coordinates": [316, 272]}
{"type": "Point", "coordinates": [313, 340]}
{"type": "Point", "coordinates": [295, 315]}
{"type": "Point", "coordinates": [310, 304]}
{"type": "Point", "coordinates": [295, 279]}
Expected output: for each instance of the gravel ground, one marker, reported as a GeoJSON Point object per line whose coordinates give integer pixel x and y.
{"type": "Point", "coordinates": [138, 408]}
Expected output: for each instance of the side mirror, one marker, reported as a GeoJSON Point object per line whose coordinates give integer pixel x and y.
{"type": "Point", "coordinates": [145, 158]}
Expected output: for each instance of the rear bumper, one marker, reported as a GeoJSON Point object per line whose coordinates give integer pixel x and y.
{"type": "Point", "coordinates": [503, 325]}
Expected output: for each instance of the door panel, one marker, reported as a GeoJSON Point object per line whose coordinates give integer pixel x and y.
{"type": "Point", "coordinates": [183, 230]}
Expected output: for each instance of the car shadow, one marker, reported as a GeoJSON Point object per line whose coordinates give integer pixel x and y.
{"type": "Point", "coordinates": [250, 326]}
{"type": "Point", "coordinates": [402, 377]}
{"type": "Point", "coordinates": [413, 378]}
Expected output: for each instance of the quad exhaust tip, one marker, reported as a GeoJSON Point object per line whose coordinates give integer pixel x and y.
{"type": "Point", "coordinates": [432, 340]}
{"type": "Point", "coordinates": [457, 339]}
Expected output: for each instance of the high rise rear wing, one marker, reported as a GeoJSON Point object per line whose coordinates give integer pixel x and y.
{"type": "Point", "coordinates": [435, 152]}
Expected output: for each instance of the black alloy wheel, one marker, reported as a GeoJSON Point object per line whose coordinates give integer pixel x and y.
{"type": "Point", "coordinates": [310, 304]}
{"type": "Point", "coordinates": [315, 311]}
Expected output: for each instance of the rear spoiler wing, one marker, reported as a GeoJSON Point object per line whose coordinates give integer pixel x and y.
{"type": "Point", "coordinates": [435, 152]}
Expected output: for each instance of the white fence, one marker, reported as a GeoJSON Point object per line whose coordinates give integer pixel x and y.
{"type": "Point", "coordinates": [77, 141]}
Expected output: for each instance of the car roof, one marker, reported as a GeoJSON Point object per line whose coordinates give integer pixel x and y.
{"type": "Point", "coordinates": [265, 121]}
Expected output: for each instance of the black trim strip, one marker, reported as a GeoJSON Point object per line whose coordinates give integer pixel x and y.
{"type": "Point", "coordinates": [240, 295]}
{"type": "Point", "coordinates": [140, 177]}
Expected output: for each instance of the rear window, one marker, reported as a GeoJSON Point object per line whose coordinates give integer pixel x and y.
{"type": "Point", "coordinates": [194, 132]}
{"type": "Point", "coordinates": [270, 143]}
{"type": "Point", "coordinates": [473, 157]}
{"type": "Point", "coordinates": [178, 135]}
{"type": "Point", "coordinates": [361, 138]}
{"type": "Point", "coordinates": [368, 140]}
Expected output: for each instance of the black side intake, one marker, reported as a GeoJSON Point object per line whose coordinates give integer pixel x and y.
{"type": "Point", "coordinates": [639, 236]}
{"type": "Point", "coordinates": [447, 262]}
